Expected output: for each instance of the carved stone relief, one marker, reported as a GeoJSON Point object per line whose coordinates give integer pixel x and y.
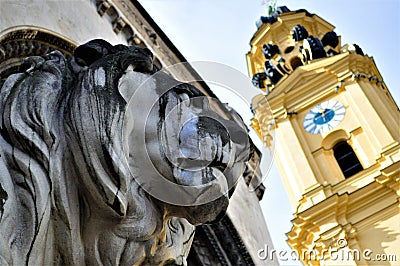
{"type": "Point", "coordinates": [18, 43]}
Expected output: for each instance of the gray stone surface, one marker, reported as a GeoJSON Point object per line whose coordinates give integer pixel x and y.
{"type": "Point", "coordinates": [246, 214]}
{"type": "Point", "coordinates": [76, 20]}
{"type": "Point", "coordinates": [83, 160]}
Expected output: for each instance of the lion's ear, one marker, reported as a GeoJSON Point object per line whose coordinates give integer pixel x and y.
{"type": "Point", "coordinates": [88, 53]}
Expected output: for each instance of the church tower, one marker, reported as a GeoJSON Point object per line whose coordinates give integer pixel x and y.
{"type": "Point", "coordinates": [336, 139]}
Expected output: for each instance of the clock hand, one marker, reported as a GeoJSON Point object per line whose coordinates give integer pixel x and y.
{"type": "Point", "coordinates": [322, 112]}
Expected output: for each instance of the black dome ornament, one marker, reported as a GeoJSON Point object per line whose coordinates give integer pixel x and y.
{"type": "Point", "coordinates": [271, 16]}
{"type": "Point", "coordinates": [312, 49]}
{"type": "Point", "coordinates": [272, 73]}
{"type": "Point", "coordinates": [331, 39]}
{"type": "Point", "coordinates": [358, 49]}
{"type": "Point", "coordinates": [258, 80]}
{"type": "Point", "coordinates": [269, 50]}
{"type": "Point", "coordinates": [299, 33]}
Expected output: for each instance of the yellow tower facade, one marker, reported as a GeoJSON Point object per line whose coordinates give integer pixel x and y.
{"type": "Point", "coordinates": [337, 139]}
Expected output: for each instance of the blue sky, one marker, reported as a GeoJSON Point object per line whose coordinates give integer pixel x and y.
{"type": "Point", "coordinates": [220, 30]}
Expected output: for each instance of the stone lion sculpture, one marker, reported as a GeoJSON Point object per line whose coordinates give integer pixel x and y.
{"type": "Point", "coordinates": [73, 177]}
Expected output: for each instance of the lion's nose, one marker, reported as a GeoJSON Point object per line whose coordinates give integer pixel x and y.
{"type": "Point", "coordinates": [197, 150]}
{"type": "Point", "coordinates": [204, 142]}
{"type": "Point", "coordinates": [208, 141]}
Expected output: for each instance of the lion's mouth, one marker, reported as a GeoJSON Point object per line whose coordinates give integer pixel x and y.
{"type": "Point", "coordinates": [200, 149]}
{"type": "Point", "coordinates": [203, 154]}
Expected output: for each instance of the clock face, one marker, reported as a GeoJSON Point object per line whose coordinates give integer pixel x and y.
{"type": "Point", "coordinates": [324, 116]}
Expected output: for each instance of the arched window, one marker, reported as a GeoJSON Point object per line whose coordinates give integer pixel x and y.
{"type": "Point", "coordinates": [347, 159]}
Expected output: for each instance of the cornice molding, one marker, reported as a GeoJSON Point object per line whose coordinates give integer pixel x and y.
{"type": "Point", "coordinates": [219, 244]}
{"type": "Point", "coordinates": [342, 216]}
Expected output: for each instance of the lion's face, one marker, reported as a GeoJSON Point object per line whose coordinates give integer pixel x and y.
{"type": "Point", "coordinates": [183, 148]}
{"type": "Point", "coordinates": [191, 154]}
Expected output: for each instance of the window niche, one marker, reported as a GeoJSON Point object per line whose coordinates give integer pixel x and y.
{"type": "Point", "coordinates": [340, 155]}
{"type": "Point", "coordinates": [347, 159]}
